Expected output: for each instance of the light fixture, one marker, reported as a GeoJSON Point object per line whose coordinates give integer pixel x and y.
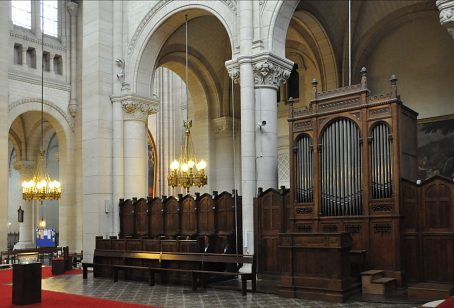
{"type": "Point", "coordinates": [187, 171]}
{"type": "Point", "coordinates": [41, 187]}
{"type": "Point", "coordinates": [42, 223]}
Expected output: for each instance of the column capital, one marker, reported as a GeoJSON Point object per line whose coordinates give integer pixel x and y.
{"type": "Point", "coordinates": [270, 70]}
{"type": "Point", "coordinates": [136, 108]}
{"type": "Point", "coordinates": [72, 8]}
{"type": "Point", "coordinates": [223, 126]}
{"type": "Point", "coordinates": [446, 8]}
{"type": "Point", "coordinates": [233, 68]}
{"type": "Point", "coordinates": [24, 165]}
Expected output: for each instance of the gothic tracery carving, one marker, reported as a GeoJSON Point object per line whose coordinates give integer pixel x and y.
{"type": "Point", "coordinates": [446, 8]}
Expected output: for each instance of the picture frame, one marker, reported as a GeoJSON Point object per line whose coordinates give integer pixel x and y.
{"type": "Point", "coordinates": [436, 147]}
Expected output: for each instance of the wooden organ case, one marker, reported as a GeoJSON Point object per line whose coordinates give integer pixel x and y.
{"type": "Point", "coordinates": [348, 152]}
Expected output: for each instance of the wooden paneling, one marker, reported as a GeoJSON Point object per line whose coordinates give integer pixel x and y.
{"type": "Point", "coordinates": [156, 210]}
{"type": "Point", "coordinates": [225, 216]}
{"type": "Point", "coordinates": [172, 217]}
{"type": "Point", "coordinates": [188, 217]}
{"type": "Point", "coordinates": [206, 215]}
{"type": "Point", "coordinates": [126, 218]}
{"type": "Point", "coordinates": [141, 218]}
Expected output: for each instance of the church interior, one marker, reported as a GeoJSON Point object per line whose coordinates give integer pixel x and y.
{"type": "Point", "coordinates": [227, 153]}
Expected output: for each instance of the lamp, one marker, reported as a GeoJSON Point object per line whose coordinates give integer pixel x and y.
{"type": "Point", "coordinates": [187, 171]}
{"type": "Point", "coordinates": [41, 187]}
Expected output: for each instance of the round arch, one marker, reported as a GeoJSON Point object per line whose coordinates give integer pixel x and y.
{"type": "Point", "coordinates": [156, 27]}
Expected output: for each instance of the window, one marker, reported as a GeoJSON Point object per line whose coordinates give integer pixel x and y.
{"type": "Point", "coordinates": [18, 54]}
{"type": "Point", "coordinates": [49, 10]}
{"type": "Point", "coordinates": [31, 57]}
{"type": "Point", "coordinates": [58, 65]}
{"type": "Point", "coordinates": [21, 13]}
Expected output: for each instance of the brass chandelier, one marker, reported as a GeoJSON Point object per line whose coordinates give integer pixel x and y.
{"type": "Point", "coordinates": [187, 171]}
{"type": "Point", "coordinates": [41, 187]}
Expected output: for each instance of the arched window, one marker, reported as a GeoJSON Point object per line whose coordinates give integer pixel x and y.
{"type": "Point", "coordinates": [304, 186]}
{"type": "Point", "coordinates": [49, 11]}
{"type": "Point", "coordinates": [21, 13]}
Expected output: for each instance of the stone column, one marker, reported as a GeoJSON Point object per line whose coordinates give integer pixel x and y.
{"type": "Point", "coordinates": [136, 110]}
{"type": "Point", "coordinates": [25, 168]}
{"type": "Point", "coordinates": [269, 72]}
{"type": "Point", "coordinates": [446, 8]}
{"type": "Point", "coordinates": [72, 9]}
{"type": "Point", "coordinates": [51, 63]}
{"type": "Point", "coordinates": [5, 20]}
{"type": "Point", "coordinates": [225, 175]}
{"type": "Point", "coordinates": [24, 56]}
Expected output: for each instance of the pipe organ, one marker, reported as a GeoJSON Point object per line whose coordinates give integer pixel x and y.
{"type": "Point", "coordinates": [349, 150]}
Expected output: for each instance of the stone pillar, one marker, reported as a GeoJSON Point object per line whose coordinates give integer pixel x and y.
{"type": "Point", "coordinates": [269, 72]}
{"type": "Point", "coordinates": [72, 9]}
{"type": "Point", "coordinates": [51, 63]}
{"type": "Point", "coordinates": [24, 56]}
{"type": "Point", "coordinates": [225, 175]}
{"type": "Point", "coordinates": [97, 128]}
{"type": "Point", "coordinates": [136, 110]}
{"type": "Point", "coordinates": [5, 20]}
{"type": "Point", "coordinates": [25, 168]}
{"type": "Point", "coordinates": [446, 8]}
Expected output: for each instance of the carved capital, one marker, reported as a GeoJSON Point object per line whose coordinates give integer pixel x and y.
{"type": "Point", "coordinates": [270, 70]}
{"type": "Point", "coordinates": [73, 107]}
{"type": "Point", "coordinates": [233, 68]}
{"type": "Point", "coordinates": [446, 8]}
{"type": "Point", "coordinates": [223, 126]}
{"type": "Point", "coordinates": [136, 108]}
{"type": "Point", "coordinates": [24, 166]}
{"type": "Point", "coordinates": [72, 8]}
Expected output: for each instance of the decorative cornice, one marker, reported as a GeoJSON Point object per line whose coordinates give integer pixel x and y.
{"type": "Point", "coordinates": [231, 4]}
{"type": "Point", "coordinates": [67, 117]}
{"type": "Point", "coordinates": [233, 68]}
{"type": "Point", "coordinates": [446, 8]}
{"type": "Point", "coordinates": [36, 41]}
{"type": "Point", "coordinates": [72, 8]}
{"type": "Point", "coordinates": [136, 108]}
{"type": "Point", "coordinates": [270, 70]}
{"type": "Point", "coordinates": [223, 126]}
{"type": "Point", "coordinates": [37, 81]}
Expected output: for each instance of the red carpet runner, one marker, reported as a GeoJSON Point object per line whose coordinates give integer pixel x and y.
{"type": "Point", "coordinates": [56, 299]}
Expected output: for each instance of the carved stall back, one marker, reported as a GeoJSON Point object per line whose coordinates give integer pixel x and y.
{"type": "Point", "coordinates": [206, 215]}
{"type": "Point", "coordinates": [428, 230]}
{"type": "Point", "coordinates": [141, 218]}
{"type": "Point", "coordinates": [188, 217]}
{"type": "Point", "coordinates": [156, 221]}
{"type": "Point", "coordinates": [172, 217]}
{"type": "Point", "coordinates": [126, 218]}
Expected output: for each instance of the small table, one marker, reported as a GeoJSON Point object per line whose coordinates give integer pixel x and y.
{"type": "Point", "coordinates": [58, 266]}
{"type": "Point", "coordinates": [26, 283]}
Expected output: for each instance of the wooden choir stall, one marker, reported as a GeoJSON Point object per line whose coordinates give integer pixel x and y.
{"type": "Point", "coordinates": [204, 224]}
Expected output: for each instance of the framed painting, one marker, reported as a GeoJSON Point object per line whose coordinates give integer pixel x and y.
{"type": "Point", "coordinates": [436, 147]}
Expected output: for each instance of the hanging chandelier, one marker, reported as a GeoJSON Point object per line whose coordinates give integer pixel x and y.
{"type": "Point", "coordinates": [187, 171]}
{"type": "Point", "coordinates": [41, 187]}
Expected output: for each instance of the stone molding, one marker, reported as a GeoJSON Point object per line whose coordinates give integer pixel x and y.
{"type": "Point", "coordinates": [37, 41]}
{"type": "Point", "coordinates": [446, 8]}
{"type": "Point", "coordinates": [24, 166]}
{"type": "Point", "coordinates": [136, 108]}
{"type": "Point", "coordinates": [72, 8]}
{"type": "Point", "coordinates": [223, 126]}
{"type": "Point", "coordinates": [270, 70]}
{"type": "Point", "coordinates": [233, 68]}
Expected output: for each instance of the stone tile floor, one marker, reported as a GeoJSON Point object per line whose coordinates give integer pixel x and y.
{"type": "Point", "coordinates": [181, 296]}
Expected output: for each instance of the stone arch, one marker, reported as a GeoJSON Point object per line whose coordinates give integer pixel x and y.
{"type": "Point", "coordinates": [277, 15]}
{"type": "Point", "coordinates": [159, 23]}
{"type": "Point", "coordinates": [64, 129]}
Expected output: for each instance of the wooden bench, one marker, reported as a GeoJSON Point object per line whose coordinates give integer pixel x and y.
{"type": "Point", "coordinates": [198, 261]}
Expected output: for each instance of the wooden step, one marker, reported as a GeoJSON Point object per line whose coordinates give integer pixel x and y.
{"type": "Point", "coordinates": [381, 286]}
{"type": "Point", "coordinates": [430, 291]}
{"type": "Point", "coordinates": [368, 276]}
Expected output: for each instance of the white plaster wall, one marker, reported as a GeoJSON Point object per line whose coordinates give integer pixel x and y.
{"type": "Point", "coordinates": [420, 53]}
